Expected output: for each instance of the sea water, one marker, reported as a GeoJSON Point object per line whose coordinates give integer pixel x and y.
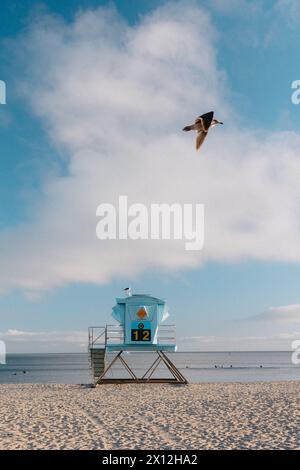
{"type": "Point", "coordinates": [195, 366]}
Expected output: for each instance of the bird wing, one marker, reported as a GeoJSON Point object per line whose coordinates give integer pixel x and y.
{"type": "Point", "coordinates": [199, 121]}
{"type": "Point", "coordinates": [205, 119]}
{"type": "Point", "coordinates": [200, 139]}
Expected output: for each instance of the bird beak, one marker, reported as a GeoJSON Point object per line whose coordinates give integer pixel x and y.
{"type": "Point", "coordinates": [221, 122]}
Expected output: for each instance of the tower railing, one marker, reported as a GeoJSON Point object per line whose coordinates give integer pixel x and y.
{"type": "Point", "coordinates": [97, 336]}
{"type": "Point", "coordinates": [100, 336]}
{"type": "Point", "coordinates": [166, 334]}
{"type": "Point", "coordinates": [115, 334]}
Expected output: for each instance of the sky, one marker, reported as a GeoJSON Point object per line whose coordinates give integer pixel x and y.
{"type": "Point", "coordinates": [97, 95]}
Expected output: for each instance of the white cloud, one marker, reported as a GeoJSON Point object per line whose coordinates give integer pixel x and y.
{"type": "Point", "coordinates": [113, 99]}
{"type": "Point", "coordinates": [267, 342]}
{"type": "Point", "coordinates": [288, 9]}
{"type": "Point", "coordinates": [69, 336]}
{"type": "Point", "coordinates": [44, 341]}
{"type": "Point", "coordinates": [282, 314]}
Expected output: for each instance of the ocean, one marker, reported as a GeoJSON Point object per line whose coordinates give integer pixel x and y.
{"type": "Point", "coordinates": [197, 367]}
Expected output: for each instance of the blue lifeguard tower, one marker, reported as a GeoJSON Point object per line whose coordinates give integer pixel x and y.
{"type": "Point", "coordinates": [140, 328]}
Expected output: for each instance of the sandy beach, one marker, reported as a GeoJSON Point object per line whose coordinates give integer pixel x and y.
{"type": "Point", "coordinates": [200, 416]}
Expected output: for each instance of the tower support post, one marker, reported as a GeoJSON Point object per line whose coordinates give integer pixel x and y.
{"type": "Point", "coordinates": [176, 375]}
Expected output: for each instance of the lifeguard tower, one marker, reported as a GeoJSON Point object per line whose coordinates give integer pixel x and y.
{"type": "Point", "coordinates": [139, 329]}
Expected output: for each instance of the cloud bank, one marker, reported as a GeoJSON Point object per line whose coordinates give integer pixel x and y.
{"type": "Point", "coordinates": [287, 314]}
{"type": "Point", "coordinates": [113, 99]}
{"type": "Point", "coordinates": [44, 341]}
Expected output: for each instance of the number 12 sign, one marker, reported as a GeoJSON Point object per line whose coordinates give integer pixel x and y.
{"type": "Point", "coordinates": [140, 335]}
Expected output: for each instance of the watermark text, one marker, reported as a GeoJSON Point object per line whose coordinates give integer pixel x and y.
{"type": "Point", "coordinates": [2, 352]}
{"type": "Point", "coordinates": [296, 353]}
{"type": "Point", "coordinates": [295, 98]}
{"type": "Point", "coordinates": [2, 92]}
{"type": "Point", "coordinates": [155, 222]}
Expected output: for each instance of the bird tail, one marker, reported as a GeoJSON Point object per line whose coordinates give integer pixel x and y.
{"type": "Point", "coordinates": [188, 128]}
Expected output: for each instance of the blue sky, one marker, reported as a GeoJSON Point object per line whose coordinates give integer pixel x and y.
{"type": "Point", "coordinates": [256, 58]}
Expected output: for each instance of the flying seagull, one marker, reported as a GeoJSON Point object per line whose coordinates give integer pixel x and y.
{"type": "Point", "coordinates": [202, 124]}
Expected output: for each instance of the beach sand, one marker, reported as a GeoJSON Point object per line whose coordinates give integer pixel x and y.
{"type": "Point", "coordinates": [199, 416]}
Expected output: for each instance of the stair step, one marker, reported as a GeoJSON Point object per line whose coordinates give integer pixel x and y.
{"type": "Point", "coordinates": [97, 362]}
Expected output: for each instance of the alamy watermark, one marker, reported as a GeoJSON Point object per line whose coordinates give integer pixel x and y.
{"type": "Point", "coordinates": [2, 352]}
{"type": "Point", "coordinates": [295, 97]}
{"type": "Point", "coordinates": [2, 92]}
{"type": "Point", "coordinates": [155, 222]}
{"type": "Point", "coordinates": [296, 353]}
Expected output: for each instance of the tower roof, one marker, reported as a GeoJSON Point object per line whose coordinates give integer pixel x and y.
{"type": "Point", "coordinates": [139, 298]}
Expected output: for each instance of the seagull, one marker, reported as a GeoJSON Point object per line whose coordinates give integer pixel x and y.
{"type": "Point", "coordinates": [202, 124]}
{"type": "Point", "coordinates": [127, 291]}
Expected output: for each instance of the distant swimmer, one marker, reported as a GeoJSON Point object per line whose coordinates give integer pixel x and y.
{"type": "Point", "coordinates": [202, 124]}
